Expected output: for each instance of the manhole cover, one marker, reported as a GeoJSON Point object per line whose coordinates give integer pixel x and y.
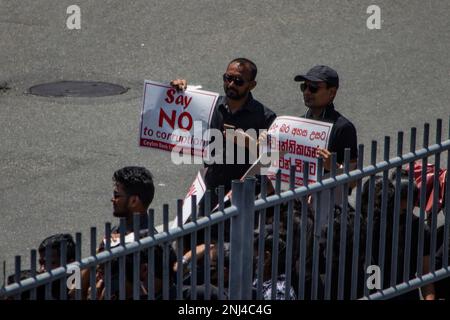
{"type": "Point", "coordinates": [4, 86]}
{"type": "Point", "coordinates": [77, 89]}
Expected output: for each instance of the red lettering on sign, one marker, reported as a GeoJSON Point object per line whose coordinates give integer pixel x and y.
{"type": "Point", "coordinates": [180, 100]}
{"type": "Point", "coordinates": [170, 96]}
{"type": "Point", "coordinates": [180, 121]}
{"type": "Point", "coordinates": [163, 116]}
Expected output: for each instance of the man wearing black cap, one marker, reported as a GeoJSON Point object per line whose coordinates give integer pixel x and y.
{"type": "Point", "coordinates": [319, 86]}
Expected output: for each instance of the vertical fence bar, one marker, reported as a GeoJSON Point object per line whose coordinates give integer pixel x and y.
{"type": "Point", "coordinates": [107, 264]}
{"type": "Point", "coordinates": [48, 266]}
{"type": "Point", "coordinates": [330, 235]}
{"type": "Point", "coordinates": [63, 263]}
{"type": "Point", "coordinates": [289, 233]}
{"type": "Point", "coordinates": [220, 251]}
{"type": "Point", "coordinates": [17, 270]}
{"type": "Point", "coordinates": [235, 291]}
{"type": "Point", "coordinates": [394, 266]}
{"type": "Point", "coordinates": [33, 254]}
{"type": "Point", "coordinates": [447, 207]}
{"type": "Point", "coordinates": [434, 213]}
{"type": "Point", "coordinates": [304, 223]}
{"type": "Point", "coordinates": [315, 266]}
{"type": "Point", "coordinates": [248, 212]}
{"type": "Point", "coordinates": [151, 256]}
{"type": "Point", "coordinates": [343, 235]}
{"type": "Point", "coordinates": [166, 254]}
{"type": "Point", "coordinates": [384, 203]}
{"type": "Point", "coordinates": [4, 272]}
{"type": "Point", "coordinates": [423, 189]}
{"type": "Point", "coordinates": [136, 261]}
{"type": "Point", "coordinates": [180, 246]}
{"type": "Point", "coordinates": [368, 258]}
{"type": "Point", "coordinates": [261, 247]}
{"type": "Point", "coordinates": [207, 237]}
{"type": "Point", "coordinates": [194, 250]}
{"type": "Point", "coordinates": [302, 262]}
{"type": "Point", "coordinates": [122, 230]}
{"type": "Point", "coordinates": [78, 252]}
{"type": "Point", "coordinates": [276, 235]}
{"type": "Point", "coordinates": [92, 275]}
{"type": "Point", "coordinates": [409, 208]}
{"type": "Point", "coordinates": [357, 227]}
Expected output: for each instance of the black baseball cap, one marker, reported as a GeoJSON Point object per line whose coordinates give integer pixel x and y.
{"type": "Point", "coordinates": [320, 73]}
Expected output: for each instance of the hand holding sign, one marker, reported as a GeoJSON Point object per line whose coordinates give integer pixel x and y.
{"type": "Point", "coordinates": [326, 155]}
{"type": "Point", "coordinates": [179, 84]}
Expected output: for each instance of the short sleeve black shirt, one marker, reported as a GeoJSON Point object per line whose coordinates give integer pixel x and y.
{"type": "Point", "coordinates": [253, 115]}
{"type": "Point", "coordinates": [343, 133]}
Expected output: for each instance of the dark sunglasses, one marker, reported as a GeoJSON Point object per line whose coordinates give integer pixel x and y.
{"type": "Point", "coordinates": [237, 81]}
{"type": "Point", "coordinates": [313, 87]}
{"type": "Point", "coordinates": [119, 195]}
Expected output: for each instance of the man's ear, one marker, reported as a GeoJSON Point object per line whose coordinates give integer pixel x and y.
{"type": "Point", "coordinates": [333, 91]}
{"type": "Point", "coordinates": [134, 202]}
{"type": "Point", "coordinates": [252, 84]}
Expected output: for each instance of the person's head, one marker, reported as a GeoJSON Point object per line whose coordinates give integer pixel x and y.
{"type": "Point", "coordinates": [239, 78]}
{"type": "Point", "coordinates": [319, 86]}
{"type": "Point", "coordinates": [54, 244]}
{"type": "Point", "coordinates": [378, 197]}
{"type": "Point", "coordinates": [214, 263]}
{"type": "Point", "coordinates": [404, 184]}
{"type": "Point", "coordinates": [133, 191]}
{"type": "Point", "coordinates": [267, 255]}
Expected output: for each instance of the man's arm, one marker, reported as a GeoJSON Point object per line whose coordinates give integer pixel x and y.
{"type": "Point", "coordinates": [428, 291]}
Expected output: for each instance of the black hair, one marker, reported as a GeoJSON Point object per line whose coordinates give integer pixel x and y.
{"type": "Point", "coordinates": [404, 183]}
{"type": "Point", "coordinates": [268, 245]}
{"type": "Point", "coordinates": [249, 64]}
{"type": "Point", "coordinates": [378, 197]}
{"type": "Point", "coordinates": [54, 242]}
{"type": "Point", "coordinates": [24, 274]}
{"type": "Point", "coordinates": [136, 181]}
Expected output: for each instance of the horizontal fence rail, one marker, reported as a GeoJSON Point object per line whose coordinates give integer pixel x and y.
{"type": "Point", "coordinates": [385, 241]}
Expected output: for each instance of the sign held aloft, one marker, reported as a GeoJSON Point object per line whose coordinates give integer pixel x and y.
{"type": "Point", "coordinates": [298, 139]}
{"type": "Point", "coordinates": [167, 117]}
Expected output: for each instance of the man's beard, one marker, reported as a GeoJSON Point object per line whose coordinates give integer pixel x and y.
{"type": "Point", "coordinates": [120, 212]}
{"type": "Point", "coordinates": [234, 94]}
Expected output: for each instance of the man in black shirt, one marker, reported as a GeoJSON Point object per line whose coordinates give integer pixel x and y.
{"type": "Point", "coordinates": [319, 87]}
{"type": "Point", "coordinates": [239, 110]}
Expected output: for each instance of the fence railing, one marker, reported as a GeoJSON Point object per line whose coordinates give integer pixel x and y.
{"type": "Point", "coordinates": [379, 243]}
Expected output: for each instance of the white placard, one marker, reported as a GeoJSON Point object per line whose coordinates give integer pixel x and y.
{"type": "Point", "coordinates": [168, 116]}
{"type": "Point", "coordinates": [298, 139]}
{"type": "Point", "coordinates": [198, 188]}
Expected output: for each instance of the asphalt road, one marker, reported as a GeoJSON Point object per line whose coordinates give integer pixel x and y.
{"type": "Point", "coordinates": [57, 155]}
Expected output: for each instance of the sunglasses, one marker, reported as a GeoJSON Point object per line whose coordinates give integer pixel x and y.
{"type": "Point", "coordinates": [313, 87]}
{"type": "Point", "coordinates": [118, 195]}
{"type": "Point", "coordinates": [237, 81]}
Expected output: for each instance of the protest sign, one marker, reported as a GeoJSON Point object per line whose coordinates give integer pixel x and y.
{"type": "Point", "coordinates": [298, 140]}
{"type": "Point", "coordinates": [167, 118]}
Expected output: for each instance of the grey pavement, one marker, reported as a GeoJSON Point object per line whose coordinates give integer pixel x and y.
{"type": "Point", "coordinates": [57, 155]}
